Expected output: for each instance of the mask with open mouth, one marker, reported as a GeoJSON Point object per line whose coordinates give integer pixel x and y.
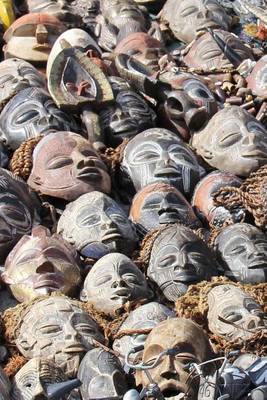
{"type": "Point", "coordinates": [57, 329]}
{"type": "Point", "coordinates": [186, 17]}
{"type": "Point", "coordinates": [129, 115]}
{"type": "Point", "coordinates": [19, 211]}
{"type": "Point", "coordinates": [65, 166]}
{"type": "Point", "coordinates": [113, 281]}
{"type": "Point", "coordinates": [101, 375]}
{"type": "Point", "coordinates": [179, 258]}
{"type": "Point", "coordinates": [190, 344]}
{"type": "Point", "coordinates": [31, 113]}
{"type": "Point", "coordinates": [243, 250]}
{"type": "Point", "coordinates": [96, 218]}
{"type": "Point", "coordinates": [233, 141]}
{"type": "Point", "coordinates": [188, 106]}
{"type": "Point", "coordinates": [39, 264]}
{"type": "Point", "coordinates": [158, 155]}
{"type": "Point", "coordinates": [234, 314]}
{"type": "Point", "coordinates": [33, 380]}
{"type": "Point", "coordinates": [160, 203]}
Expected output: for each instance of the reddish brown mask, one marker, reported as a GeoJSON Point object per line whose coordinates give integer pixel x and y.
{"type": "Point", "coordinates": [189, 344]}
{"type": "Point", "coordinates": [41, 264]}
{"type": "Point", "coordinates": [66, 166]}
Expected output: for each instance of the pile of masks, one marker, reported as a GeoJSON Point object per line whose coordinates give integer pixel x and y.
{"type": "Point", "coordinates": [133, 199]}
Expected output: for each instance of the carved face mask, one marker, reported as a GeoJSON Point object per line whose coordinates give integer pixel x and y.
{"type": "Point", "coordinates": [206, 54]}
{"type": "Point", "coordinates": [4, 386]}
{"type": "Point", "coordinates": [95, 217]}
{"type": "Point", "coordinates": [189, 106]}
{"type": "Point", "coordinates": [233, 141]}
{"type": "Point", "coordinates": [120, 12]}
{"type": "Point", "coordinates": [66, 166]}
{"type": "Point", "coordinates": [257, 80]}
{"type": "Point", "coordinates": [179, 258]}
{"type": "Point", "coordinates": [18, 211]}
{"type": "Point", "coordinates": [41, 264]}
{"type": "Point", "coordinates": [77, 38]}
{"type": "Point", "coordinates": [32, 381]}
{"type": "Point", "coordinates": [143, 47]}
{"type": "Point", "coordinates": [112, 281]}
{"type": "Point", "coordinates": [62, 10]}
{"type": "Point", "coordinates": [158, 155]}
{"type": "Point", "coordinates": [160, 203]}
{"type": "Point", "coordinates": [186, 17]}
{"type": "Point", "coordinates": [17, 75]}
{"type": "Point", "coordinates": [31, 113]}
{"type": "Point", "coordinates": [31, 37]}
{"type": "Point", "coordinates": [101, 375]}
{"type": "Point", "coordinates": [233, 313]}
{"type": "Point", "coordinates": [144, 317]}
{"type": "Point", "coordinates": [57, 329]}
{"type": "Point", "coordinates": [243, 249]}
{"type": "Point", "coordinates": [129, 115]}
{"type": "Point", "coordinates": [203, 198]}
{"type": "Point", "coordinates": [190, 344]}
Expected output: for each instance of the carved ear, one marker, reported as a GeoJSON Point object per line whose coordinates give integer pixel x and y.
{"type": "Point", "coordinates": [83, 295]}
{"type": "Point", "coordinates": [6, 279]}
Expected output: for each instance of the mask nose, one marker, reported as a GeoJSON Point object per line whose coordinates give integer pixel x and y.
{"type": "Point", "coordinates": [253, 322]}
{"type": "Point", "coordinates": [164, 205]}
{"type": "Point", "coordinates": [108, 223]}
{"type": "Point", "coordinates": [46, 120]}
{"type": "Point", "coordinates": [70, 333]}
{"type": "Point", "coordinates": [119, 282]}
{"type": "Point", "coordinates": [44, 266]}
{"type": "Point", "coordinates": [168, 370]}
{"type": "Point", "coordinates": [248, 138]}
{"type": "Point", "coordinates": [86, 162]}
{"type": "Point", "coordinates": [118, 115]}
{"type": "Point", "coordinates": [38, 392]}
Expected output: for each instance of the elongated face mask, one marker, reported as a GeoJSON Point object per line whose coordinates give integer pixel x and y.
{"type": "Point", "coordinates": [233, 314]}
{"type": "Point", "coordinates": [179, 258]}
{"type": "Point", "coordinates": [35, 377]}
{"type": "Point", "coordinates": [65, 166]}
{"type": "Point", "coordinates": [96, 218]}
{"type": "Point", "coordinates": [160, 203]}
{"type": "Point", "coordinates": [41, 264]}
{"type": "Point", "coordinates": [186, 17]}
{"type": "Point", "coordinates": [189, 344]}
{"type": "Point", "coordinates": [58, 329]}
{"type": "Point", "coordinates": [243, 250]}
{"type": "Point", "coordinates": [233, 141]}
{"type": "Point", "coordinates": [101, 375]}
{"type": "Point", "coordinates": [158, 155]}
{"type": "Point", "coordinates": [120, 12]}
{"type": "Point", "coordinates": [31, 113]}
{"type": "Point", "coordinates": [18, 211]}
{"type": "Point", "coordinates": [146, 316]}
{"type": "Point", "coordinates": [112, 281]}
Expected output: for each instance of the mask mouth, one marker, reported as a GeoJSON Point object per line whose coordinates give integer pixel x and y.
{"type": "Point", "coordinates": [173, 394]}
{"type": "Point", "coordinates": [168, 215]}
